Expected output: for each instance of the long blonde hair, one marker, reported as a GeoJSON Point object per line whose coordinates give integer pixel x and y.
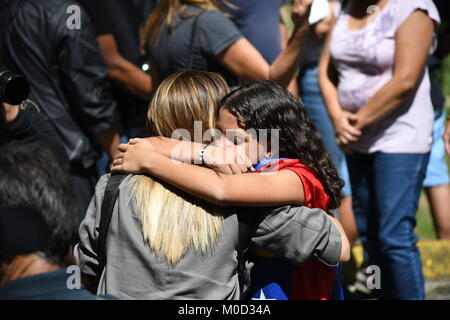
{"type": "Point", "coordinates": [172, 221]}
{"type": "Point", "coordinates": [164, 14]}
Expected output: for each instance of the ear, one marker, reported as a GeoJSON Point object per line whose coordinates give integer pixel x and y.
{"type": "Point", "coordinates": [268, 155]}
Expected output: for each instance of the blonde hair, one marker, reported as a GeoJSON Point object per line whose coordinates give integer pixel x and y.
{"type": "Point", "coordinates": [165, 12]}
{"type": "Point", "coordinates": [172, 221]}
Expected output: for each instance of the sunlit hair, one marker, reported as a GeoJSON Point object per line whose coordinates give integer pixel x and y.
{"type": "Point", "coordinates": [173, 221]}
{"type": "Point", "coordinates": [164, 14]}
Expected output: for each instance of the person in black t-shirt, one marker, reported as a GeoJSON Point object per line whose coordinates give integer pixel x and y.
{"type": "Point", "coordinates": [145, 8]}
{"type": "Point", "coordinates": [117, 24]}
{"type": "Point", "coordinates": [197, 35]}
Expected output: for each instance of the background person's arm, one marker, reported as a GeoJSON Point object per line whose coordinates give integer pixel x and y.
{"type": "Point", "coordinates": [413, 42]}
{"type": "Point", "coordinates": [245, 62]}
{"type": "Point", "coordinates": [284, 34]}
{"type": "Point", "coordinates": [124, 72]}
{"type": "Point", "coordinates": [342, 120]}
{"type": "Point", "coordinates": [322, 28]}
{"type": "Point", "coordinates": [109, 140]}
{"type": "Point", "coordinates": [9, 112]}
{"type": "Point", "coordinates": [251, 190]}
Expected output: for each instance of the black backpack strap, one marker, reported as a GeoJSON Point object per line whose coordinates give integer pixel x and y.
{"type": "Point", "coordinates": [109, 200]}
{"type": "Point", "coordinates": [193, 37]}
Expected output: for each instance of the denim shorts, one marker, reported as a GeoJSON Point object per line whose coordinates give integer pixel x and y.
{"type": "Point", "coordinates": [437, 170]}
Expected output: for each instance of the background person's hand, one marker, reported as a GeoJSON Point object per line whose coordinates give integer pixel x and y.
{"type": "Point", "coordinates": [133, 156]}
{"type": "Point", "coordinates": [300, 12]}
{"type": "Point", "coordinates": [346, 133]}
{"type": "Point", "coordinates": [447, 138]}
{"type": "Point", "coordinates": [9, 112]}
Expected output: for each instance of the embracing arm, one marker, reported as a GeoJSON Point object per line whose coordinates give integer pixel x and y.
{"type": "Point", "coordinates": [413, 42]}
{"type": "Point", "coordinates": [183, 151]}
{"type": "Point", "coordinates": [220, 156]}
{"type": "Point", "coordinates": [257, 190]}
{"type": "Point", "coordinates": [299, 233]}
{"type": "Point", "coordinates": [86, 251]}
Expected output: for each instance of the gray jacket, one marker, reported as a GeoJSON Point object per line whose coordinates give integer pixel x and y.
{"type": "Point", "coordinates": [134, 271]}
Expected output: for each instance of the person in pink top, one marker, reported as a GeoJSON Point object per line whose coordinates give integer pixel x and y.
{"type": "Point", "coordinates": [375, 84]}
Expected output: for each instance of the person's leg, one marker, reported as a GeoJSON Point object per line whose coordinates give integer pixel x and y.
{"type": "Point", "coordinates": [439, 199]}
{"type": "Point", "coordinates": [398, 180]}
{"type": "Point", "coordinates": [360, 167]}
{"type": "Point", "coordinates": [436, 181]}
{"type": "Point", "coordinates": [347, 218]}
{"type": "Point", "coordinates": [317, 112]}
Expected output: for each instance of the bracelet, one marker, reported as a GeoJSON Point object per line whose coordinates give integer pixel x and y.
{"type": "Point", "coordinates": [202, 153]}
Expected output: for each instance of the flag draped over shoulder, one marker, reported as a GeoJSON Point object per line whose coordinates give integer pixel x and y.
{"type": "Point", "coordinates": [277, 279]}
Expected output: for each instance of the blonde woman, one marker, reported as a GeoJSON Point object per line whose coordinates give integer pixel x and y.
{"type": "Point", "coordinates": [165, 244]}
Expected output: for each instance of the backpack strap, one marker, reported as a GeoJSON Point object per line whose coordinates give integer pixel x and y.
{"type": "Point", "coordinates": [193, 37]}
{"type": "Point", "coordinates": [109, 200]}
{"type": "Point", "coordinates": [248, 222]}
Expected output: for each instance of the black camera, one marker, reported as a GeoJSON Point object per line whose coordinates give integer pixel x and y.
{"type": "Point", "coordinates": [14, 88]}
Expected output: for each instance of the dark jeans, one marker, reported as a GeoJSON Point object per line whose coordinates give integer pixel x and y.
{"type": "Point", "coordinates": [386, 190]}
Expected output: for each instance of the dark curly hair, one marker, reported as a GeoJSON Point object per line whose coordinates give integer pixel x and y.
{"type": "Point", "coordinates": [267, 105]}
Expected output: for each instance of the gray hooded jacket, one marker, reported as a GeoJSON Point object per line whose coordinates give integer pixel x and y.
{"type": "Point", "coordinates": [134, 271]}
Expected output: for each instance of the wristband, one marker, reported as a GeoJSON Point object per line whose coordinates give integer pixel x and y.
{"type": "Point", "coordinates": [202, 153]}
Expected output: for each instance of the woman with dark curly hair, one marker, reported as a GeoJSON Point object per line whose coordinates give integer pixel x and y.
{"type": "Point", "coordinates": [301, 172]}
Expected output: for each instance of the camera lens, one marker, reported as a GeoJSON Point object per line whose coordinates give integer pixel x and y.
{"type": "Point", "coordinates": [14, 89]}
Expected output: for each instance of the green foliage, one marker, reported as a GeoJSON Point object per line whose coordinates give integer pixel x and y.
{"type": "Point", "coordinates": [444, 76]}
